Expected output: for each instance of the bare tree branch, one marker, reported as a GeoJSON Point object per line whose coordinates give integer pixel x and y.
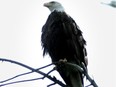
{"type": "Point", "coordinates": [19, 75]}
{"type": "Point", "coordinates": [45, 66]}
{"type": "Point", "coordinates": [76, 68]}
{"type": "Point", "coordinates": [73, 67]}
{"type": "Point", "coordinates": [15, 77]}
{"type": "Point", "coordinates": [21, 81]}
{"type": "Point", "coordinates": [88, 77]}
{"type": "Point", "coordinates": [34, 70]}
{"type": "Point", "coordinates": [51, 84]}
{"type": "Point", "coordinates": [50, 72]}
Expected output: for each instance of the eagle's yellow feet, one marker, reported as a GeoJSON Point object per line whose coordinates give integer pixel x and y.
{"type": "Point", "coordinates": [63, 60]}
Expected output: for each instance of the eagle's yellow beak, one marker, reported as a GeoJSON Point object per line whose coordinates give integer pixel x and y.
{"type": "Point", "coordinates": [47, 4]}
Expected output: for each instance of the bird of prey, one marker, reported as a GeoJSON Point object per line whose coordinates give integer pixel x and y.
{"type": "Point", "coordinates": [62, 39]}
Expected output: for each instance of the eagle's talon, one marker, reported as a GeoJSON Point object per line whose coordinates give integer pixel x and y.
{"type": "Point", "coordinates": [63, 60]}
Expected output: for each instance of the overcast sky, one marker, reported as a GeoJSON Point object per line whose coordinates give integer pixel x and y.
{"type": "Point", "coordinates": [20, 30]}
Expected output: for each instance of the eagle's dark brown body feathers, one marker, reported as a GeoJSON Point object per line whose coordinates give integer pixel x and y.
{"type": "Point", "coordinates": [61, 38]}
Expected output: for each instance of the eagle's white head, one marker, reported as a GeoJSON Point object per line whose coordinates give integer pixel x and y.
{"type": "Point", "coordinates": [53, 5]}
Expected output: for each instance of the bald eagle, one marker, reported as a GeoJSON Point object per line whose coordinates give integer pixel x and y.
{"type": "Point", "coordinates": [62, 39]}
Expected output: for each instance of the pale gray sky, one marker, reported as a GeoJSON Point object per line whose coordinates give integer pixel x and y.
{"type": "Point", "coordinates": [20, 30]}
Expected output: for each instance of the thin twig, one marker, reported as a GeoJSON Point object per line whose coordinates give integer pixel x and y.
{"type": "Point", "coordinates": [20, 81]}
{"type": "Point", "coordinates": [51, 84]}
{"type": "Point", "coordinates": [15, 77]}
{"type": "Point", "coordinates": [19, 75]}
{"type": "Point", "coordinates": [45, 66]}
{"type": "Point", "coordinates": [88, 85]}
{"type": "Point", "coordinates": [88, 77]}
{"type": "Point", "coordinates": [49, 72]}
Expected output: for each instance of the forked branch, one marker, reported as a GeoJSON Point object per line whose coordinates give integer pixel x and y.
{"type": "Point", "coordinates": [73, 67]}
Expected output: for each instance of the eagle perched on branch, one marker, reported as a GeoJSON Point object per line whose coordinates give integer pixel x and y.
{"type": "Point", "coordinates": [62, 39]}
